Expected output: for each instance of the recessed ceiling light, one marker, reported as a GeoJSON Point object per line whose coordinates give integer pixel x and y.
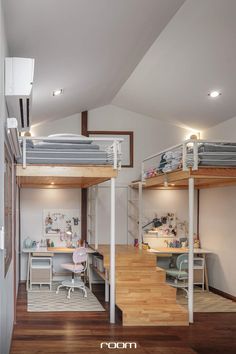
{"type": "Point", "coordinates": [214, 94]}
{"type": "Point", "coordinates": [57, 92]}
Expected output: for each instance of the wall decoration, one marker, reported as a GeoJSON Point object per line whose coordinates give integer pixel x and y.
{"type": "Point", "coordinates": [162, 226]}
{"type": "Point", "coordinates": [127, 146]}
{"type": "Point", "coordinates": [63, 223]}
{"type": "Point", "coordinates": [165, 225]}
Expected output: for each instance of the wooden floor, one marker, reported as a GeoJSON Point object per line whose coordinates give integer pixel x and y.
{"type": "Point", "coordinates": [82, 333]}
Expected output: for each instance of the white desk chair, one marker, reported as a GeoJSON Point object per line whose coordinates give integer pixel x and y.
{"type": "Point", "coordinates": [78, 267]}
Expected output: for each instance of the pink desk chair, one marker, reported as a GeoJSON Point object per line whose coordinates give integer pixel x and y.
{"type": "Point", "coordinates": [78, 267]}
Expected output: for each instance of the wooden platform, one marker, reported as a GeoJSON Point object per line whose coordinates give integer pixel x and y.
{"type": "Point", "coordinates": [141, 291]}
{"type": "Point", "coordinates": [204, 177]}
{"type": "Point", "coordinates": [63, 176]}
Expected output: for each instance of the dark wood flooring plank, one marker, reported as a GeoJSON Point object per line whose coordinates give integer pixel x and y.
{"type": "Point", "coordinates": [73, 333]}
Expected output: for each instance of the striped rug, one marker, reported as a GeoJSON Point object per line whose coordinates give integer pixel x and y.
{"type": "Point", "coordinates": [206, 301]}
{"type": "Point", "coordinates": [43, 300]}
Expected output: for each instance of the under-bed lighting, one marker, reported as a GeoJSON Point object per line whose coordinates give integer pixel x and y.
{"type": "Point", "coordinates": [214, 94]}
{"type": "Point", "coordinates": [172, 184]}
{"type": "Point", "coordinates": [52, 183]}
{"type": "Point", "coordinates": [57, 92]}
{"type": "Point", "coordinates": [165, 181]}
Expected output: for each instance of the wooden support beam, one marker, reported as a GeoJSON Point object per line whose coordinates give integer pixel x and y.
{"type": "Point", "coordinates": [84, 123]}
{"type": "Point", "coordinates": [84, 191]}
{"type": "Point", "coordinates": [214, 172]}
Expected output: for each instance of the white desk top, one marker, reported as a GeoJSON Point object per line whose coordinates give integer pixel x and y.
{"type": "Point", "coordinates": [169, 250]}
{"type": "Point", "coordinates": [53, 250]}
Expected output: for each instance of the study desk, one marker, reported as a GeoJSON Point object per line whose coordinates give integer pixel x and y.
{"type": "Point", "coordinates": [170, 251]}
{"type": "Point", "coordinates": [48, 251]}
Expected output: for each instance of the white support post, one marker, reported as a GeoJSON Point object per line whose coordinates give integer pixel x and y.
{"type": "Point", "coordinates": [115, 162]}
{"type": "Point", "coordinates": [89, 216]}
{"type": "Point", "coordinates": [195, 155]}
{"type": "Point", "coordinates": [190, 247]}
{"type": "Point", "coordinates": [142, 172]}
{"type": "Point", "coordinates": [112, 254]}
{"type": "Point", "coordinates": [140, 214]}
{"type": "Point", "coordinates": [106, 286]}
{"type": "Point", "coordinates": [95, 216]}
{"type": "Point", "coordinates": [184, 153]}
{"type": "Point", "coordinates": [24, 153]}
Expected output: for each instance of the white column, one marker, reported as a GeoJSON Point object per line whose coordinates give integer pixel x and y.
{"type": "Point", "coordinates": [140, 213]}
{"type": "Point", "coordinates": [106, 286]}
{"type": "Point", "coordinates": [112, 254]}
{"type": "Point", "coordinates": [96, 216]}
{"type": "Point", "coordinates": [190, 255]}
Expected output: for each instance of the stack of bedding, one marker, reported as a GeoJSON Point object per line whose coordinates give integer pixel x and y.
{"type": "Point", "coordinates": [217, 154]}
{"type": "Point", "coordinates": [58, 149]}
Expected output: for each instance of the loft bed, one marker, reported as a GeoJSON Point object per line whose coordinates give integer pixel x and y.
{"type": "Point", "coordinates": [189, 165]}
{"type": "Point", "coordinates": [67, 161]}
{"type": "Point", "coordinates": [72, 161]}
{"type": "Point", "coordinates": [210, 164]}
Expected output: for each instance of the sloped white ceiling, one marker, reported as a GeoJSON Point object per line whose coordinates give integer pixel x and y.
{"type": "Point", "coordinates": [194, 54]}
{"type": "Point", "coordinates": [87, 47]}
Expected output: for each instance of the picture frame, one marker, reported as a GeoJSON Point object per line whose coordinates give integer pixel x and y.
{"type": "Point", "coordinates": [127, 146]}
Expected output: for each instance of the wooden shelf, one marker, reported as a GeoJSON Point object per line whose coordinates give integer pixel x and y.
{"type": "Point", "coordinates": [101, 274]}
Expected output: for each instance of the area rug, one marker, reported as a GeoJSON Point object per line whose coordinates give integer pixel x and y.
{"type": "Point", "coordinates": [43, 300]}
{"type": "Point", "coordinates": [206, 301]}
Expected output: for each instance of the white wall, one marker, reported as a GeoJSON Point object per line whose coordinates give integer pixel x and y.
{"type": "Point", "coordinates": [6, 284]}
{"type": "Point", "coordinates": [33, 202]}
{"type": "Point", "coordinates": [150, 136]}
{"type": "Point", "coordinates": [217, 233]}
{"type": "Point", "coordinates": [69, 124]}
{"type": "Point", "coordinates": [162, 202]}
{"type": "Point", "coordinates": [223, 131]}
{"type": "Point", "coordinates": [218, 221]}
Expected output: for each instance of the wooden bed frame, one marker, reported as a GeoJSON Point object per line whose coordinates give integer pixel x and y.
{"type": "Point", "coordinates": [63, 176]}
{"type": "Point", "coordinates": [204, 177]}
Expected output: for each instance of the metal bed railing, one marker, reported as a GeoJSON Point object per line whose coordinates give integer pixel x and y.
{"type": "Point", "coordinates": [188, 154]}
{"type": "Point", "coordinates": [112, 146]}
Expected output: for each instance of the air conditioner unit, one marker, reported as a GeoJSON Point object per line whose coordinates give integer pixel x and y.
{"type": "Point", "coordinates": [19, 74]}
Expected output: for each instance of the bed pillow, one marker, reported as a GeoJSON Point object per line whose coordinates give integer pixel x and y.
{"type": "Point", "coordinates": [61, 138]}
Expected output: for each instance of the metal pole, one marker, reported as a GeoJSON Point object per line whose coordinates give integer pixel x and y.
{"type": "Point", "coordinates": [140, 213]}
{"type": "Point", "coordinates": [106, 286]}
{"type": "Point", "coordinates": [96, 216]}
{"type": "Point", "coordinates": [190, 254]}
{"type": "Point", "coordinates": [112, 254]}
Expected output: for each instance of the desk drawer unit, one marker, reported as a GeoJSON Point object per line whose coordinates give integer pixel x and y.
{"type": "Point", "coordinates": [40, 271]}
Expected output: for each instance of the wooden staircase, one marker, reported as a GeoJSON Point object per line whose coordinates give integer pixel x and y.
{"type": "Point", "coordinates": [141, 291]}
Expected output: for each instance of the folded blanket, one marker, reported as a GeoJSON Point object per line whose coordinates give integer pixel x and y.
{"type": "Point", "coordinates": [64, 146]}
